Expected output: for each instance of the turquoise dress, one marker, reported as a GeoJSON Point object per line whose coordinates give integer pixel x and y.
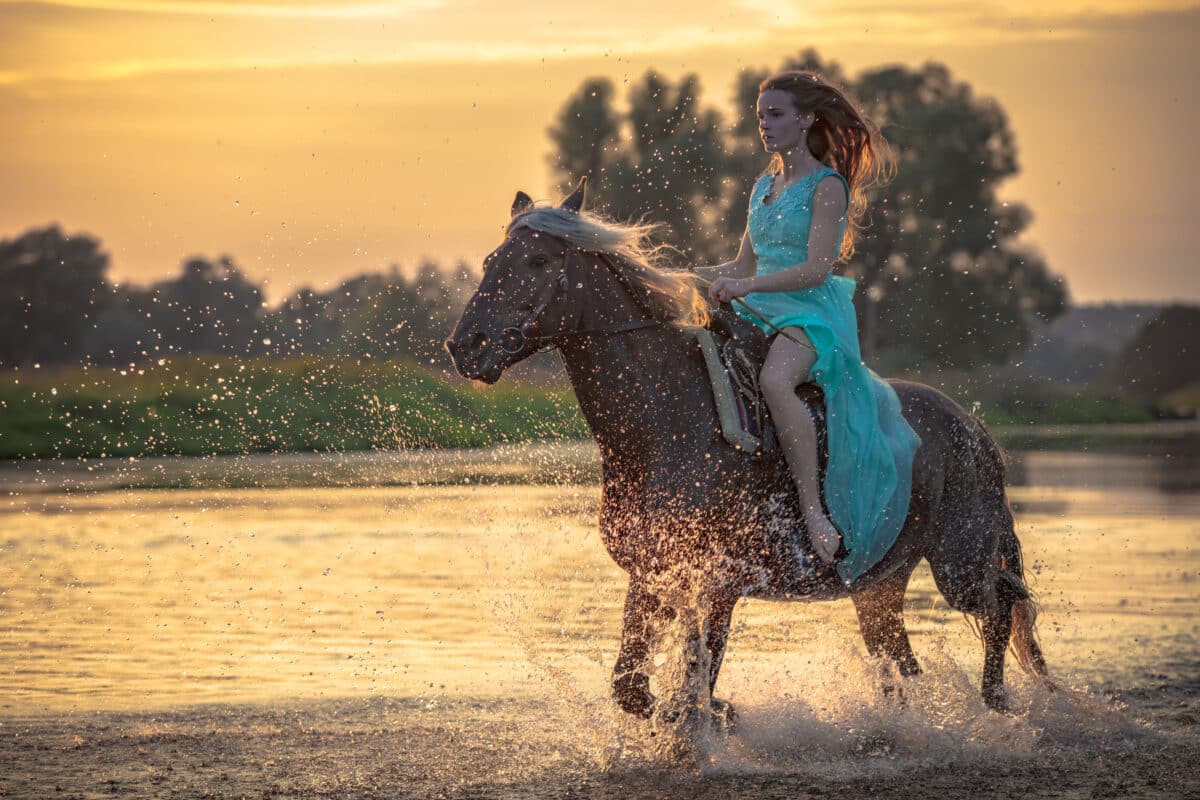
{"type": "Point", "coordinates": [868, 480]}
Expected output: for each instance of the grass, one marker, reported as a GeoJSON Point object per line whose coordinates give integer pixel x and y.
{"type": "Point", "coordinates": [209, 406]}
{"type": "Point", "coordinates": [223, 406]}
{"type": "Point", "coordinates": [1010, 402]}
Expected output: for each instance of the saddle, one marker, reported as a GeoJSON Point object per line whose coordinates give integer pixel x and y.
{"type": "Point", "coordinates": [734, 351]}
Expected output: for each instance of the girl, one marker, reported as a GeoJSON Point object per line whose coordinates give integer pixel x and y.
{"type": "Point", "coordinates": [804, 213]}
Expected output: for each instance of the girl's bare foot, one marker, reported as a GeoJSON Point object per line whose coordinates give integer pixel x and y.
{"type": "Point", "coordinates": [824, 537]}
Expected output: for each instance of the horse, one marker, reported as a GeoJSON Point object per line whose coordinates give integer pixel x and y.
{"type": "Point", "coordinates": [687, 515]}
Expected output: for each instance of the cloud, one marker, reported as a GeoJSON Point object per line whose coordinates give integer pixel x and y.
{"type": "Point", "coordinates": [981, 21]}
{"type": "Point", "coordinates": [393, 9]}
{"type": "Point", "coordinates": [56, 40]}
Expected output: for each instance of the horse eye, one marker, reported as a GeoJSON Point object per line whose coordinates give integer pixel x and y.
{"type": "Point", "coordinates": [538, 261]}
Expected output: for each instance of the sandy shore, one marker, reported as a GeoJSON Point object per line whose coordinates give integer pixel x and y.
{"type": "Point", "coordinates": [484, 749]}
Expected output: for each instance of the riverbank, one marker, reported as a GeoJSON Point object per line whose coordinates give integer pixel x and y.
{"type": "Point", "coordinates": [215, 407]}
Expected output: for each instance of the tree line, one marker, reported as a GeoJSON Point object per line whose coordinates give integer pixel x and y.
{"type": "Point", "coordinates": [943, 279]}
{"type": "Point", "coordinates": [58, 305]}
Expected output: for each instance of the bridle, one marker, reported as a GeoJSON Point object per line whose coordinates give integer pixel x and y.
{"type": "Point", "coordinates": [515, 339]}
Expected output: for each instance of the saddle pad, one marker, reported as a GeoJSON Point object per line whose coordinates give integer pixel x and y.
{"type": "Point", "coordinates": [739, 424]}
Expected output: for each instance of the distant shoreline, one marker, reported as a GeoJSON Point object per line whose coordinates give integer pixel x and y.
{"type": "Point", "coordinates": [570, 461]}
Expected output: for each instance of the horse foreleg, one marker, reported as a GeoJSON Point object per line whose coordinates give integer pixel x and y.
{"type": "Point", "coordinates": [880, 612]}
{"type": "Point", "coordinates": [720, 614]}
{"type": "Point", "coordinates": [631, 683]}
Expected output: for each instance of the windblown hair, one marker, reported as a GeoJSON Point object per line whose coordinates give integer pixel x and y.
{"type": "Point", "coordinates": [841, 137]}
{"type": "Point", "coordinates": [671, 295]}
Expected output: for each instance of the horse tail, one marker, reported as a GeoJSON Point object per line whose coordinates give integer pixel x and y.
{"type": "Point", "coordinates": [1025, 608]}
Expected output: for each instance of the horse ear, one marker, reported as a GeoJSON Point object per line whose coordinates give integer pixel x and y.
{"type": "Point", "coordinates": [574, 201]}
{"type": "Point", "coordinates": [521, 203]}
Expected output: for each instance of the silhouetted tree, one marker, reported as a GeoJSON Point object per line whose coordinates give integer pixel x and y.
{"type": "Point", "coordinates": [940, 240]}
{"type": "Point", "coordinates": [379, 314]}
{"type": "Point", "coordinates": [1162, 357]}
{"type": "Point", "coordinates": [664, 159]}
{"type": "Point", "coordinates": [51, 288]}
{"type": "Point", "coordinates": [940, 272]}
{"type": "Point", "coordinates": [211, 307]}
{"type": "Point", "coordinates": [124, 329]}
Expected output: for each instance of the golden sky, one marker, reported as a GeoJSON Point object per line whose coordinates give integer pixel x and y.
{"type": "Point", "coordinates": [313, 140]}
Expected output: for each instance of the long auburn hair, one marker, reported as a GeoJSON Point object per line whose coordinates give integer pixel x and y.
{"type": "Point", "coordinates": [841, 137]}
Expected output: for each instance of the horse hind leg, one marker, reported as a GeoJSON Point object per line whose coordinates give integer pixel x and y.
{"type": "Point", "coordinates": [997, 630]}
{"type": "Point", "coordinates": [976, 558]}
{"type": "Point", "coordinates": [1011, 622]}
{"type": "Point", "coordinates": [880, 612]}
{"type": "Point", "coordinates": [987, 594]}
{"type": "Point", "coordinates": [1024, 611]}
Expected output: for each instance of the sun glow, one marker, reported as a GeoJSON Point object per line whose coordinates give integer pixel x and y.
{"type": "Point", "coordinates": [352, 129]}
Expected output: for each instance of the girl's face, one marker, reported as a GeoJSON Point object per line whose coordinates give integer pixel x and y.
{"type": "Point", "coordinates": [780, 125]}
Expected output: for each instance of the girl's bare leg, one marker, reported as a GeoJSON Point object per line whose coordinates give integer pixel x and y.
{"type": "Point", "coordinates": [786, 367]}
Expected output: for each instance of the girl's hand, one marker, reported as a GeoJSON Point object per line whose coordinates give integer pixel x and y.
{"type": "Point", "coordinates": [724, 290]}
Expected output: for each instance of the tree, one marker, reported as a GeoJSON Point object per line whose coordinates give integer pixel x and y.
{"type": "Point", "coordinates": [211, 307]}
{"type": "Point", "coordinates": [124, 331]}
{"type": "Point", "coordinates": [378, 314]}
{"type": "Point", "coordinates": [1162, 357]}
{"type": "Point", "coordinates": [587, 133]}
{"type": "Point", "coordinates": [51, 288]}
{"type": "Point", "coordinates": [938, 233]}
{"type": "Point", "coordinates": [664, 159]}
{"type": "Point", "coordinates": [940, 272]}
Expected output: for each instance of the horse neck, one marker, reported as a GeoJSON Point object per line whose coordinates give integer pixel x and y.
{"type": "Point", "coordinates": [631, 386]}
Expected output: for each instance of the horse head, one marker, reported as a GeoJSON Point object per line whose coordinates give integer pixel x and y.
{"type": "Point", "coordinates": [561, 272]}
{"type": "Point", "coordinates": [522, 301]}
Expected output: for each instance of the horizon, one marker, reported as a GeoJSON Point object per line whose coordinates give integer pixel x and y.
{"type": "Point", "coordinates": [311, 142]}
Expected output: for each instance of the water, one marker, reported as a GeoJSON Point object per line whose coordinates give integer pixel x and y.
{"type": "Point", "coordinates": [445, 623]}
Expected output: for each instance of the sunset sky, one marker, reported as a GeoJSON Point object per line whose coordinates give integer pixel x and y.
{"type": "Point", "coordinates": [314, 140]}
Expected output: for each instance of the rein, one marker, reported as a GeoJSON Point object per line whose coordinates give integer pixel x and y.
{"type": "Point", "coordinates": [513, 340]}
{"type": "Point", "coordinates": [706, 283]}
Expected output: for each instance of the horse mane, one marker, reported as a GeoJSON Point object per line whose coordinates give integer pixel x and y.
{"type": "Point", "coordinates": [670, 295]}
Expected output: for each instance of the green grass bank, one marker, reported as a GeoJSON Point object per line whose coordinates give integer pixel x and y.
{"type": "Point", "coordinates": [207, 406]}
{"type": "Point", "coordinates": [214, 406]}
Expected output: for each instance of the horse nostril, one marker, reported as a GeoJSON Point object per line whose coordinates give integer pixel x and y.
{"type": "Point", "coordinates": [477, 341]}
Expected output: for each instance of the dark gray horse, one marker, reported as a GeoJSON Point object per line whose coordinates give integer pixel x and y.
{"type": "Point", "coordinates": [680, 505]}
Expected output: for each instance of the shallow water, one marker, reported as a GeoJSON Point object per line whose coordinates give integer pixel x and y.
{"type": "Point", "coordinates": [415, 624]}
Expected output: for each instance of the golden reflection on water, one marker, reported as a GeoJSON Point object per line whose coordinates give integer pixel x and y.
{"type": "Point", "coordinates": [137, 599]}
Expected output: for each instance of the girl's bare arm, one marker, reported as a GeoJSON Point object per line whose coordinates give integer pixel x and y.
{"type": "Point", "coordinates": [742, 266]}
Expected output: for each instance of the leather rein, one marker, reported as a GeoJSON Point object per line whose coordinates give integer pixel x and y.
{"type": "Point", "coordinates": [515, 339]}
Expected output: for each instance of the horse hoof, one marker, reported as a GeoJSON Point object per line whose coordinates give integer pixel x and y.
{"type": "Point", "coordinates": [632, 693]}
{"type": "Point", "coordinates": [724, 717]}
{"type": "Point", "coordinates": [895, 694]}
{"type": "Point", "coordinates": [996, 700]}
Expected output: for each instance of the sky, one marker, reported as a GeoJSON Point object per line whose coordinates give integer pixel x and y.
{"type": "Point", "coordinates": [315, 140]}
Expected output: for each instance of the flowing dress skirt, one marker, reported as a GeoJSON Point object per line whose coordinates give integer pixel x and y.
{"type": "Point", "coordinates": [868, 480]}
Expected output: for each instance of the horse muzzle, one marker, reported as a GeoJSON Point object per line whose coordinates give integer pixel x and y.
{"type": "Point", "coordinates": [476, 357]}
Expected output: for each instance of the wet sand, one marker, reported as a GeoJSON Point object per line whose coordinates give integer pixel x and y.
{"type": "Point", "coordinates": [389, 640]}
{"type": "Point", "coordinates": [406, 748]}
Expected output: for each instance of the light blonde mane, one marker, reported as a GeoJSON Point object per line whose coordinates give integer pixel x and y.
{"type": "Point", "coordinates": [672, 294]}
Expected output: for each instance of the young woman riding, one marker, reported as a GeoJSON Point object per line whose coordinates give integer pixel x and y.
{"type": "Point", "coordinates": [804, 214]}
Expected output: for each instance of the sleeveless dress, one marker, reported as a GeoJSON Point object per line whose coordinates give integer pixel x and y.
{"type": "Point", "coordinates": [868, 480]}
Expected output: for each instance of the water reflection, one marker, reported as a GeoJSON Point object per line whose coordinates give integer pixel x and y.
{"type": "Point", "coordinates": [156, 584]}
